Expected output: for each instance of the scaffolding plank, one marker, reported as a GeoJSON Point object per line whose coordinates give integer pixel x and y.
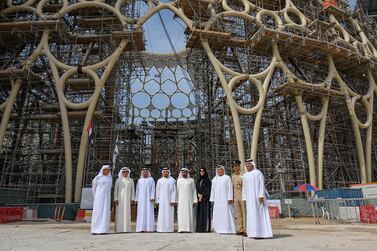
{"type": "Point", "coordinates": [135, 38]}
{"type": "Point", "coordinates": [96, 22]}
{"type": "Point", "coordinates": [293, 89]}
{"type": "Point", "coordinates": [217, 39]}
{"type": "Point", "coordinates": [194, 9]}
{"type": "Point", "coordinates": [343, 57]}
{"type": "Point", "coordinates": [29, 26]}
{"type": "Point", "coordinates": [80, 84]}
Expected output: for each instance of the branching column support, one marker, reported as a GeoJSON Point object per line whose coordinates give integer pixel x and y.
{"type": "Point", "coordinates": [66, 132]}
{"type": "Point", "coordinates": [7, 106]}
{"type": "Point", "coordinates": [64, 117]}
{"type": "Point", "coordinates": [228, 92]}
{"type": "Point", "coordinates": [352, 97]}
{"type": "Point", "coordinates": [305, 116]}
{"type": "Point", "coordinates": [90, 105]}
{"type": "Point", "coordinates": [315, 176]}
{"type": "Point", "coordinates": [93, 103]}
{"type": "Point", "coordinates": [276, 61]}
{"type": "Point", "coordinates": [237, 110]}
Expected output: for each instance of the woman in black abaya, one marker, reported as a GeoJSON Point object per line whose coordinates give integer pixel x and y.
{"type": "Point", "coordinates": [203, 213]}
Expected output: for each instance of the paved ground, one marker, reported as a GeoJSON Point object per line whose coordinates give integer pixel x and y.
{"type": "Point", "coordinates": [295, 235]}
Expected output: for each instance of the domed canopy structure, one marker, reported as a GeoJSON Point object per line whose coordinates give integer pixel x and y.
{"type": "Point", "coordinates": [149, 83]}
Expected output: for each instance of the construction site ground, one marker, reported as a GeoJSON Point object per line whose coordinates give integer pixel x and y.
{"type": "Point", "coordinates": [289, 234]}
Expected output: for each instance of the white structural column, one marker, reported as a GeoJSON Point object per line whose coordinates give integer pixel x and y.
{"type": "Point", "coordinates": [261, 82]}
{"type": "Point", "coordinates": [93, 103]}
{"type": "Point", "coordinates": [228, 92]}
{"type": "Point", "coordinates": [8, 105]}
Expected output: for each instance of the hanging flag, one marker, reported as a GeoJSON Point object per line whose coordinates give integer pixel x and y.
{"type": "Point", "coordinates": [89, 130]}
{"type": "Point", "coordinates": [116, 151]}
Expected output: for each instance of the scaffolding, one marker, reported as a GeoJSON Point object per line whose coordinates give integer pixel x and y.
{"type": "Point", "coordinates": [286, 82]}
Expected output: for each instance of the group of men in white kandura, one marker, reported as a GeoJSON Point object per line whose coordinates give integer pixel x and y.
{"type": "Point", "coordinates": [168, 193]}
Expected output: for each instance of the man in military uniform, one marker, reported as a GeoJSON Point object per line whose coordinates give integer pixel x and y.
{"type": "Point", "coordinates": [237, 194]}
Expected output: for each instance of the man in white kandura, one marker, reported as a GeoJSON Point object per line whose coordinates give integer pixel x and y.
{"type": "Point", "coordinates": [124, 195]}
{"type": "Point", "coordinates": [187, 199]}
{"type": "Point", "coordinates": [166, 199]}
{"type": "Point", "coordinates": [101, 189]}
{"type": "Point", "coordinates": [254, 193]}
{"type": "Point", "coordinates": [222, 198]}
{"type": "Point", "coordinates": [144, 197]}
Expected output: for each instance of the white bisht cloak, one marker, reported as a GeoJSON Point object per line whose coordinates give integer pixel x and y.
{"type": "Point", "coordinates": [124, 193]}
{"type": "Point", "coordinates": [101, 189]}
{"type": "Point", "coordinates": [186, 190]}
{"type": "Point", "coordinates": [145, 192]}
{"type": "Point", "coordinates": [165, 194]}
{"type": "Point", "coordinates": [258, 217]}
{"type": "Point", "coordinates": [223, 213]}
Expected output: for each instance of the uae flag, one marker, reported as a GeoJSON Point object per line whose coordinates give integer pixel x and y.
{"type": "Point", "coordinates": [89, 130]}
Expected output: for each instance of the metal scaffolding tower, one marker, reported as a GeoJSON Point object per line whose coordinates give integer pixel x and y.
{"type": "Point", "coordinates": [290, 83]}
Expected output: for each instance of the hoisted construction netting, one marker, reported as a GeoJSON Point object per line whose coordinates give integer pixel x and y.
{"type": "Point", "coordinates": [328, 3]}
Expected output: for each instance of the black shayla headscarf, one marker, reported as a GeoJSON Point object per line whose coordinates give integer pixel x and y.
{"type": "Point", "coordinates": [205, 177]}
